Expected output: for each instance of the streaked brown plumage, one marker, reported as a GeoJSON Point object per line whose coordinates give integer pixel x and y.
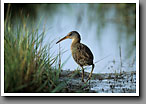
{"type": "Point", "coordinates": [80, 52]}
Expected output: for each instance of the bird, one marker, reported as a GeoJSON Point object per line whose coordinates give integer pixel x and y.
{"type": "Point", "coordinates": [80, 52]}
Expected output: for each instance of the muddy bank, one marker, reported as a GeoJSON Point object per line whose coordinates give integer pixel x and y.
{"type": "Point", "coordinates": [124, 82]}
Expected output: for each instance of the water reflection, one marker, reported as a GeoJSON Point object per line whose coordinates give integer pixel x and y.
{"type": "Point", "coordinates": [92, 21]}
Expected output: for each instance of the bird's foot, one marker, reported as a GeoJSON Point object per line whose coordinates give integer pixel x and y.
{"type": "Point", "coordinates": [87, 80]}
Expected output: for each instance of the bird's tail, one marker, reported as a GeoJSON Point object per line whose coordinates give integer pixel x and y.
{"type": "Point", "coordinates": [93, 66]}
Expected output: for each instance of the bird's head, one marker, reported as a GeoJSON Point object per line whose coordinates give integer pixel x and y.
{"type": "Point", "coordinates": [74, 35]}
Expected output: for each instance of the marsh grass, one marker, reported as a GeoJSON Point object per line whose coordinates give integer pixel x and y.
{"type": "Point", "coordinates": [28, 65]}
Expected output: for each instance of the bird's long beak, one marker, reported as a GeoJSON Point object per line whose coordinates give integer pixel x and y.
{"type": "Point", "coordinates": [62, 39]}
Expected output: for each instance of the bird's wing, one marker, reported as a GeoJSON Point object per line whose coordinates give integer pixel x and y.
{"type": "Point", "coordinates": [85, 52]}
{"type": "Point", "coordinates": [83, 55]}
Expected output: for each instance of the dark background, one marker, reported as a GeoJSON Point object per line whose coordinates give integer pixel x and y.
{"type": "Point", "coordinates": [95, 100]}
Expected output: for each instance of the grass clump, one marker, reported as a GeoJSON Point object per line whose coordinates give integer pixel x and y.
{"type": "Point", "coordinates": [28, 66]}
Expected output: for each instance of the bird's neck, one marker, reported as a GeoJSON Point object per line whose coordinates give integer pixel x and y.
{"type": "Point", "coordinates": [75, 40]}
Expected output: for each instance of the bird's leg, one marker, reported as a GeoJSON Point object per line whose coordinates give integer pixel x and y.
{"type": "Point", "coordinates": [90, 73]}
{"type": "Point", "coordinates": [82, 74]}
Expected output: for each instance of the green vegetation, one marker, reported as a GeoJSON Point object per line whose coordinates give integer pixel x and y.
{"type": "Point", "coordinates": [121, 16]}
{"type": "Point", "coordinates": [28, 66]}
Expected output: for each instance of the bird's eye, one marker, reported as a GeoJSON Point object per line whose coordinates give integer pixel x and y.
{"type": "Point", "coordinates": [69, 34]}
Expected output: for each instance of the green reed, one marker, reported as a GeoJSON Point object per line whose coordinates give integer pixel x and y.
{"type": "Point", "coordinates": [28, 64]}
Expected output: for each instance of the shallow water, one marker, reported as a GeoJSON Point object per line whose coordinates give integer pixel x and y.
{"type": "Point", "coordinates": [106, 83]}
{"type": "Point", "coordinates": [125, 83]}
